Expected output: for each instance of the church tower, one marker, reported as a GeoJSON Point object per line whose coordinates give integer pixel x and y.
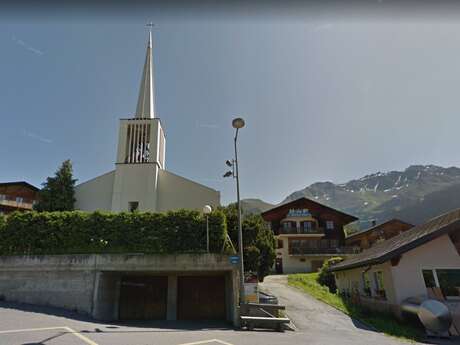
{"type": "Point", "coordinates": [140, 180]}
{"type": "Point", "coordinates": [141, 149]}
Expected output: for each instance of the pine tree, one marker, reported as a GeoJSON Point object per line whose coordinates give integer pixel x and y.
{"type": "Point", "coordinates": [58, 192]}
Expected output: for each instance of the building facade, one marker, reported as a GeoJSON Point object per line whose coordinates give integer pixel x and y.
{"type": "Point", "coordinates": [17, 196]}
{"type": "Point", "coordinates": [422, 262]}
{"type": "Point", "coordinates": [307, 234]}
{"type": "Point", "coordinates": [140, 180]}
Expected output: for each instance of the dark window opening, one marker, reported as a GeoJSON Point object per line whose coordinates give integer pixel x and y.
{"type": "Point", "coordinates": [428, 276]}
{"type": "Point", "coordinates": [133, 206]}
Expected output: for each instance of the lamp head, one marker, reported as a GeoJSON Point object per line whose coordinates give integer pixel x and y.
{"type": "Point", "coordinates": [207, 209]}
{"type": "Point", "coordinates": [230, 164]}
{"type": "Point", "coordinates": [238, 123]}
{"type": "Point", "coordinates": [228, 174]}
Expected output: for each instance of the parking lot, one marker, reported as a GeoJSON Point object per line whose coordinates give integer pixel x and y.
{"type": "Point", "coordinates": [31, 325]}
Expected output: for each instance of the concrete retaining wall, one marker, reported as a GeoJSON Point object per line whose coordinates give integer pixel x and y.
{"type": "Point", "coordinates": [90, 284]}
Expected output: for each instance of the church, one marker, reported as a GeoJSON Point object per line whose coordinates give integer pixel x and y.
{"type": "Point", "coordinates": [140, 181]}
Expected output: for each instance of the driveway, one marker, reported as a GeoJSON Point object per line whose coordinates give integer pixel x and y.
{"type": "Point", "coordinates": [322, 323]}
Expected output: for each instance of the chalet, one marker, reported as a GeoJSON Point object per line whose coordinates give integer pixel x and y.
{"type": "Point", "coordinates": [377, 233]}
{"type": "Point", "coordinates": [307, 233]}
{"type": "Point", "coordinates": [17, 196]}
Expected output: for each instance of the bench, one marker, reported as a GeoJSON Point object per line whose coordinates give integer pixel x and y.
{"type": "Point", "coordinates": [251, 322]}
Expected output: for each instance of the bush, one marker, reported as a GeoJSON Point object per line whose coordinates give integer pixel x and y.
{"type": "Point", "coordinates": [74, 232]}
{"type": "Point", "coordinates": [325, 277]}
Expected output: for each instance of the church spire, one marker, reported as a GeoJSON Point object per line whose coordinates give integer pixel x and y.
{"type": "Point", "coordinates": [146, 102]}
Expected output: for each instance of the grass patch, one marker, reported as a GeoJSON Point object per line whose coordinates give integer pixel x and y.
{"type": "Point", "coordinates": [382, 322]}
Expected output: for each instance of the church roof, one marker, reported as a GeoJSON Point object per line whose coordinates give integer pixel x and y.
{"type": "Point", "coordinates": [146, 102]}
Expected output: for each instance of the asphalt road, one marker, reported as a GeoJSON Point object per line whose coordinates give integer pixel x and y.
{"type": "Point", "coordinates": [316, 324]}
{"type": "Point", "coordinates": [321, 323]}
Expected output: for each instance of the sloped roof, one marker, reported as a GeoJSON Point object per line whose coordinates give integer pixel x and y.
{"type": "Point", "coordinates": [19, 183]}
{"type": "Point", "coordinates": [403, 242]}
{"type": "Point", "coordinates": [286, 206]}
{"type": "Point", "coordinates": [377, 227]}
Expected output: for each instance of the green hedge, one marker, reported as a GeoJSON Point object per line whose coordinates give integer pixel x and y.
{"type": "Point", "coordinates": [75, 232]}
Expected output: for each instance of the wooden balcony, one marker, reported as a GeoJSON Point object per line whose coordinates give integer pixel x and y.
{"type": "Point", "coordinates": [305, 247]}
{"type": "Point", "coordinates": [25, 205]}
{"type": "Point", "coordinates": [300, 231]}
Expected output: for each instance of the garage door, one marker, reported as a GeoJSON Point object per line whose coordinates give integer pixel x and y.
{"type": "Point", "coordinates": [201, 298]}
{"type": "Point", "coordinates": [143, 298]}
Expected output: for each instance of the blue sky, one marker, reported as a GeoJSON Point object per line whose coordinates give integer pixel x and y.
{"type": "Point", "coordinates": [325, 97]}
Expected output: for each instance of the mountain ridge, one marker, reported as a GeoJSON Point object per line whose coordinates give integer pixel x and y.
{"type": "Point", "coordinates": [413, 194]}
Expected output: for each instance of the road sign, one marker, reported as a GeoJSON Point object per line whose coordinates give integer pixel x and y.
{"type": "Point", "coordinates": [234, 259]}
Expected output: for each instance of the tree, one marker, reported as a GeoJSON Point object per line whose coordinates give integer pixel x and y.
{"type": "Point", "coordinates": [258, 241]}
{"type": "Point", "coordinates": [58, 192]}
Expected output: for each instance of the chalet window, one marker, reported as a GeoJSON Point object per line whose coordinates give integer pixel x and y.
{"type": "Point", "coordinates": [2, 197]}
{"type": "Point", "coordinates": [378, 283]}
{"type": "Point", "coordinates": [329, 225]}
{"type": "Point", "coordinates": [280, 244]}
{"type": "Point", "coordinates": [289, 225]}
{"type": "Point", "coordinates": [366, 284]}
{"type": "Point", "coordinates": [307, 226]}
{"type": "Point", "coordinates": [449, 282]}
{"type": "Point", "coordinates": [428, 277]}
{"type": "Point", "coordinates": [19, 200]}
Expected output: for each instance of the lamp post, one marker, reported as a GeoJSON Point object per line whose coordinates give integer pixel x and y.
{"type": "Point", "coordinates": [207, 210]}
{"type": "Point", "coordinates": [238, 123]}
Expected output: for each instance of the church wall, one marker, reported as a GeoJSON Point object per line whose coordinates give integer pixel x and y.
{"type": "Point", "coordinates": [95, 194]}
{"type": "Point", "coordinates": [135, 183]}
{"type": "Point", "coordinates": [175, 192]}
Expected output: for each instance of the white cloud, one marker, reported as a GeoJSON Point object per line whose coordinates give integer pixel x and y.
{"type": "Point", "coordinates": [35, 136]}
{"type": "Point", "coordinates": [27, 46]}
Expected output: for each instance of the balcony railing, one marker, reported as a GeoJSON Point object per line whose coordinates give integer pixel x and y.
{"type": "Point", "coordinates": [300, 231]}
{"type": "Point", "coordinates": [320, 247]}
{"type": "Point", "coordinates": [13, 203]}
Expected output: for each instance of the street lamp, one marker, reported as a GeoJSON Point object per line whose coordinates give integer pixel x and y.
{"type": "Point", "coordinates": [238, 123]}
{"type": "Point", "coordinates": [207, 210]}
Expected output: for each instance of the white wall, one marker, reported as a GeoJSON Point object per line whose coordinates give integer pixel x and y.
{"type": "Point", "coordinates": [135, 182]}
{"type": "Point", "coordinates": [95, 194]}
{"type": "Point", "coordinates": [350, 280]}
{"type": "Point", "coordinates": [408, 279]}
{"type": "Point", "coordinates": [405, 279]}
{"type": "Point", "coordinates": [176, 192]}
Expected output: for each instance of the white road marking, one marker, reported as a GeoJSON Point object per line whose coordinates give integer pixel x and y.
{"type": "Point", "coordinates": [30, 330]}
{"type": "Point", "coordinates": [68, 329]}
{"type": "Point", "coordinates": [82, 337]}
{"type": "Point", "coordinates": [207, 342]}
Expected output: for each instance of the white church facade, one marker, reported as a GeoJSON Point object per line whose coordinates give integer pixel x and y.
{"type": "Point", "coordinates": [140, 180]}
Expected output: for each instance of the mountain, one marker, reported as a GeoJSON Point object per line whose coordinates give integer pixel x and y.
{"type": "Point", "coordinates": [414, 195]}
{"type": "Point", "coordinates": [254, 206]}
